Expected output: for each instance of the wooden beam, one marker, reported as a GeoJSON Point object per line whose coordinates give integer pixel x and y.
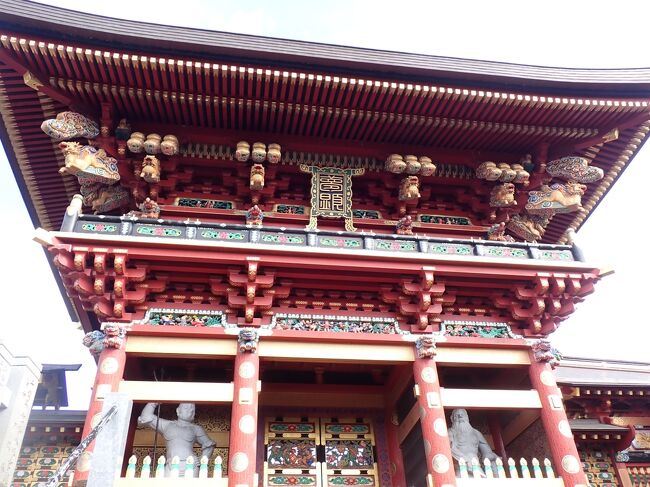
{"type": "Point", "coordinates": [517, 426]}
{"type": "Point", "coordinates": [411, 419]}
{"type": "Point", "coordinates": [399, 379]}
{"type": "Point", "coordinates": [148, 346]}
{"type": "Point", "coordinates": [490, 399]}
{"type": "Point", "coordinates": [41, 83]}
{"type": "Point", "coordinates": [196, 392]}
{"type": "Point", "coordinates": [469, 357]}
{"type": "Point", "coordinates": [341, 352]}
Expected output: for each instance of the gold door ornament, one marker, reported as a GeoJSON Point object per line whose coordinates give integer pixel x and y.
{"type": "Point", "coordinates": [331, 194]}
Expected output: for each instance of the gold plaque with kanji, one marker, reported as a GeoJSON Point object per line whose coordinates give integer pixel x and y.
{"type": "Point", "coordinates": [331, 194]}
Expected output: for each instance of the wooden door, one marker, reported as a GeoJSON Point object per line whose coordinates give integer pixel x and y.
{"type": "Point", "coordinates": [319, 452]}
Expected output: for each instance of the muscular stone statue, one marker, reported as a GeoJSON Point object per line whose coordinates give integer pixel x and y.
{"type": "Point", "coordinates": [180, 434]}
{"type": "Point", "coordinates": [466, 442]}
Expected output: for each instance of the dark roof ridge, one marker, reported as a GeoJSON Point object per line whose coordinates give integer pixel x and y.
{"type": "Point", "coordinates": [35, 18]}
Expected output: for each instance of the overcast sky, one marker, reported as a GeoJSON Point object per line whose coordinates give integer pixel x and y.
{"type": "Point", "coordinates": [612, 323]}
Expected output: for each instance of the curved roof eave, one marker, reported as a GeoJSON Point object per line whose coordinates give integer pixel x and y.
{"type": "Point", "coordinates": [68, 25]}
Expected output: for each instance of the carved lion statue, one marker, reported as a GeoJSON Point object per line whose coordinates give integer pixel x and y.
{"type": "Point", "coordinates": [543, 351]}
{"type": "Point", "coordinates": [88, 164]}
{"type": "Point", "coordinates": [409, 188]}
{"type": "Point", "coordinates": [248, 340]}
{"type": "Point", "coordinates": [150, 169]}
{"type": "Point", "coordinates": [558, 198]}
{"type": "Point", "coordinates": [425, 347]}
{"type": "Point", "coordinates": [94, 340]}
{"type": "Point", "coordinates": [257, 177]}
{"type": "Point", "coordinates": [503, 195]}
{"type": "Point", "coordinates": [114, 335]}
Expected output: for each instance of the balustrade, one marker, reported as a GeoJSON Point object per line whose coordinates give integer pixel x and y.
{"type": "Point", "coordinates": [497, 474]}
{"type": "Point", "coordinates": [149, 474]}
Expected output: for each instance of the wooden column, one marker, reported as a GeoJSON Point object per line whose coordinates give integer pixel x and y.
{"type": "Point", "coordinates": [243, 424]}
{"type": "Point", "coordinates": [397, 475]}
{"type": "Point", "coordinates": [110, 371]}
{"type": "Point", "coordinates": [497, 434]}
{"type": "Point", "coordinates": [558, 432]}
{"type": "Point", "coordinates": [432, 416]}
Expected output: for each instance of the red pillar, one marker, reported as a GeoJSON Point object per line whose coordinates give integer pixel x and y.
{"type": "Point", "coordinates": [566, 459]}
{"type": "Point", "coordinates": [397, 474]}
{"type": "Point", "coordinates": [243, 425]}
{"type": "Point", "coordinates": [440, 463]}
{"type": "Point", "coordinates": [110, 370]}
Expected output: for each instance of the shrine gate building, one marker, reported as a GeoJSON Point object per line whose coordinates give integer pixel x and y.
{"type": "Point", "coordinates": [327, 249]}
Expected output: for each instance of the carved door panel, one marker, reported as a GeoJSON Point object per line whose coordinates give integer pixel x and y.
{"type": "Point", "coordinates": [319, 452]}
{"type": "Point", "coordinates": [290, 453]}
{"type": "Point", "coordinates": [349, 447]}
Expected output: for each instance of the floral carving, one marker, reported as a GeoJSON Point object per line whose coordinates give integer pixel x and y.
{"type": "Point", "coordinates": [482, 330]}
{"type": "Point", "coordinates": [336, 324]}
{"type": "Point", "coordinates": [196, 319]}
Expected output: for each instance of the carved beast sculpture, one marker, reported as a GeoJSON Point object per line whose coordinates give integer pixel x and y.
{"type": "Point", "coordinates": [109, 198]}
{"type": "Point", "coordinates": [88, 164]}
{"type": "Point", "coordinates": [558, 198]}
{"type": "Point", "coordinates": [528, 227]}
{"type": "Point", "coordinates": [409, 188]}
{"type": "Point", "coordinates": [150, 169]}
{"type": "Point", "coordinates": [257, 177]}
{"type": "Point", "coordinates": [503, 195]}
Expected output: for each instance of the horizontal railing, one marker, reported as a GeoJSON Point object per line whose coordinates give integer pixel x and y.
{"type": "Point", "coordinates": [496, 473]}
{"type": "Point", "coordinates": [162, 474]}
{"type": "Point", "coordinates": [301, 238]}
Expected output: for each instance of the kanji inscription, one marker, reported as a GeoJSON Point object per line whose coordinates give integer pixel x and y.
{"type": "Point", "coordinates": [331, 194]}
